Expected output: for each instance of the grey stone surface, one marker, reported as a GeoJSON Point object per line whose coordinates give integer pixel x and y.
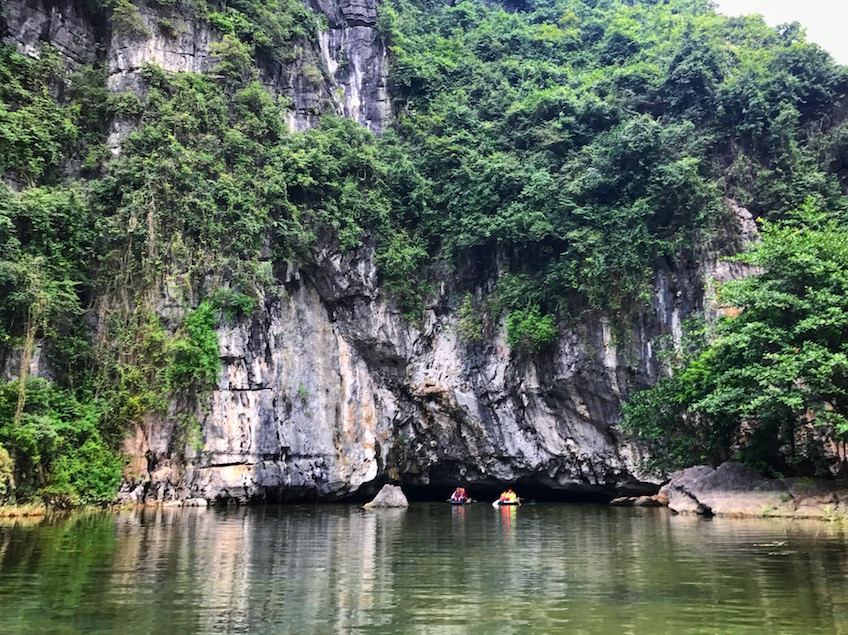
{"type": "Point", "coordinates": [388, 496]}
{"type": "Point", "coordinates": [326, 388]}
{"type": "Point", "coordinates": [65, 23]}
{"type": "Point", "coordinates": [638, 501]}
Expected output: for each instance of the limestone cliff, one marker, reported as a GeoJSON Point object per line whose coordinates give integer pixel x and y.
{"type": "Point", "coordinates": [326, 388]}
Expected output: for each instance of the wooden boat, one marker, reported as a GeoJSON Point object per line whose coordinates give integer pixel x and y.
{"type": "Point", "coordinates": [466, 501]}
{"type": "Point", "coordinates": [500, 503]}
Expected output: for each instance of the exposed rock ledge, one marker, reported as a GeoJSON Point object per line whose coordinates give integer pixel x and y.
{"type": "Point", "coordinates": [735, 490]}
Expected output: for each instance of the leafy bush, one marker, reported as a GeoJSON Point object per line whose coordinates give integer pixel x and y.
{"type": "Point", "coordinates": [232, 303]}
{"type": "Point", "coordinates": [195, 364]}
{"type": "Point", "coordinates": [36, 132]}
{"type": "Point", "coordinates": [529, 330]}
{"type": "Point", "coordinates": [7, 475]}
{"type": "Point", "coordinates": [470, 324]}
{"type": "Point", "coordinates": [268, 26]}
{"type": "Point", "coordinates": [56, 445]}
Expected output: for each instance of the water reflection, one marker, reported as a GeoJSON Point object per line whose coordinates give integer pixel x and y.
{"type": "Point", "coordinates": [507, 513]}
{"type": "Point", "coordinates": [432, 568]}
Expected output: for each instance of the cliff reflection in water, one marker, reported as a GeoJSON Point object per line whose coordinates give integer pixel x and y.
{"type": "Point", "coordinates": [248, 569]}
{"type": "Point", "coordinates": [432, 568]}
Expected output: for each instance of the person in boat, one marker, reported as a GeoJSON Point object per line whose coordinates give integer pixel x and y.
{"type": "Point", "coordinates": [508, 497]}
{"type": "Point", "coordinates": [459, 495]}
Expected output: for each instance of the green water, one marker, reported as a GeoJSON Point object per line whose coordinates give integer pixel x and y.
{"type": "Point", "coordinates": [429, 569]}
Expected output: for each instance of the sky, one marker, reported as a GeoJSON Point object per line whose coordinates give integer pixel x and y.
{"type": "Point", "coordinates": [826, 21]}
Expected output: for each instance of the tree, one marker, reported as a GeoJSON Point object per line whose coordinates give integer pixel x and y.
{"type": "Point", "coordinates": [768, 382]}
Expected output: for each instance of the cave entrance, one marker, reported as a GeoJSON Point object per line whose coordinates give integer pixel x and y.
{"type": "Point", "coordinates": [490, 492]}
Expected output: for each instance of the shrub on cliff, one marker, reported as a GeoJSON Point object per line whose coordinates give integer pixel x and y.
{"type": "Point", "coordinates": [529, 330]}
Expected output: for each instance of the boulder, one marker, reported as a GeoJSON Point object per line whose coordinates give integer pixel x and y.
{"type": "Point", "coordinates": [646, 501]}
{"type": "Point", "coordinates": [732, 489]}
{"type": "Point", "coordinates": [389, 496]}
{"type": "Point", "coordinates": [622, 501]}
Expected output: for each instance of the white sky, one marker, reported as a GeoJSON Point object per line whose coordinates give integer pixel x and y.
{"type": "Point", "coordinates": [826, 21]}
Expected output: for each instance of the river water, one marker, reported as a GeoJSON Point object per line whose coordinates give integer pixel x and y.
{"type": "Point", "coordinates": [546, 568]}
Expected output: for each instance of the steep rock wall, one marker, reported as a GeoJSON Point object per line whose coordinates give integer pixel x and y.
{"type": "Point", "coordinates": [326, 389]}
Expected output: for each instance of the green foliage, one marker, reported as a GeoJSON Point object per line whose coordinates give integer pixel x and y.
{"type": "Point", "coordinates": [133, 359]}
{"type": "Point", "coordinates": [401, 261]}
{"type": "Point", "coordinates": [188, 175]}
{"type": "Point", "coordinates": [590, 141]}
{"type": "Point", "coordinates": [232, 303]}
{"type": "Point", "coordinates": [529, 330]}
{"type": "Point", "coordinates": [194, 365]}
{"type": "Point", "coordinates": [267, 26]}
{"type": "Point", "coordinates": [35, 131]}
{"type": "Point", "coordinates": [753, 385]}
{"type": "Point", "coordinates": [235, 60]}
{"type": "Point", "coordinates": [57, 447]}
{"type": "Point", "coordinates": [220, 174]}
{"type": "Point", "coordinates": [7, 474]}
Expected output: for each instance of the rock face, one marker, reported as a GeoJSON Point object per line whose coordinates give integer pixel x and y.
{"type": "Point", "coordinates": [356, 58]}
{"type": "Point", "coordinates": [735, 490]}
{"type": "Point", "coordinates": [639, 501]}
{"type": "Point", "coordinates": [67, 25]}
{"type": "Point", "coordinates": [343, 70]}
{"type": "Point", "coordinates": [326, 390]}
{"type": "Point", "coordinates": [389, 496]}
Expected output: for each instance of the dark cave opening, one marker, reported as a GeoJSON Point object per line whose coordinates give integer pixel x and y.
{"type": "Point", "coordinates": [527, 491]}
